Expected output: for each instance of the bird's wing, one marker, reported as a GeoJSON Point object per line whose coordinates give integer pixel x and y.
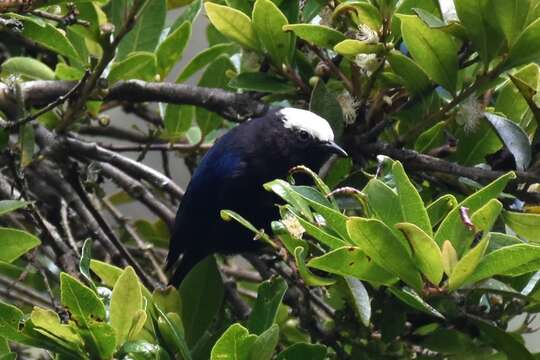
{"type": "Point", "coordinates": [199, 210]}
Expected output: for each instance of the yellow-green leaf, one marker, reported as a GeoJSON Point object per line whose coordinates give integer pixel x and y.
{"type": "Point", "coordinates": [526, 225]}
{"type": "Point", "coordinates": [15, 243]}
{"type": "Point", "coordinates": [268, 22]}
{"type": "Point", "coordinates": [426, 252]}
{"type": "Point", "coordinates": [233, 24]}
{"type": "Point", "coordinates": [319, 35]}
{"type": "Point", "coordinates": [467, 264]}
{"type": "Point", "coordinates": [126, 301]}
{"type": "Point", "coordinates": [449, 257]}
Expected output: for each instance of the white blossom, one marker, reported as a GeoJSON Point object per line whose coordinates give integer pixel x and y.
{"type": "Point", "coordinates": [367, 34]}
{"type": "Point", "coordinates": [469, 114]}
{"type": "Point", "coordinates": [349, 105]}
{"type": "Point", "coordinates": [293, 226]}
{"type": "Point", "coordinates": [367, 62]}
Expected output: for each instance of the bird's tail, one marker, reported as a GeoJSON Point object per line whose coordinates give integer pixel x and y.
{"type": "Point", "coordinates": [188, 262]}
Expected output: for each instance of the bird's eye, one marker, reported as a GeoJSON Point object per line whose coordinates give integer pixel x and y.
{"type": "Point", "coordinates": [303, 135]}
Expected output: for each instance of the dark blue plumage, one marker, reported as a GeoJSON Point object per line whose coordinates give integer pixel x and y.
{"type": "Point", "coordinates": [231, 175]}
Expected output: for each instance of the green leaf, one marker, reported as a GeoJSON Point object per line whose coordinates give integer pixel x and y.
{"type": "Point", "coordinates": [382, 246]}
{"type": "Point", "coordinates": [318, 233]}
{"type": "Point", "coordinates": [202, 295]}
{"type": "Point", "coordinates": [319, 35]}
{"type": "Point", "coordinates": [16, 243]}
{"type": "Point", "coordinates": [467, 264]}
{"type": "Point", "coordinates": [139, 65]}
{"type": "Point", "coordinates": [27, 141]}
{"type": "Point", "coordinates": [503, 341]}
{"type": "Point", "coordinates": [48, 322]}
{"type": "Point", "coordinates": [364, 13]}
{"type": "Point", "coordinates": [7, 206]}
{"type": "Point", "coordinates": [439, 208]}
{"type": "Point", "coordinates": [415, 79]}
{"type": "Point", "coordinates": [215, 76]}
{"type": "Point", "coordinates": [268, 22]}
{"type": "Point", "coordinates": [262, 82]}
{"type": "Point", "coordinates": [174, 332]}
{"type": "Point", "coordinates": [526, 225]}
{"type": "Point", "coordinates": [476, 16]}
{"type": "Point", "coordinates": [178, 120]}
{"type": "Point", "coordinates": [449, 257]}
{"type": "Point", "coordinates": [351, 261]}
{"type": "Point", "coordinates": [269, 296]}
{"type": "Point", "coordinates": [233, 24]}
{"type": "Point", "coordinates": [514, 138]}
{"type": "Point", "coordinates": [235, 344]}
{"type": "Point", "coordinates": [190, 14]}
{"type": "Point", "coordinates": [426, 252]}
{"type": "Point", "coordinates": [144, 36]}
{"type": "Point", "coordinates": [309, 278]}
{"type": "Point", "coordinates": [204, 58]}
{"type": "Point", "coordinates": [263, 348]}
{"type": "Point", "coordinates": [513, 260]}
{"type": "Point", "coordinates": [108, 273]}
{"type": "Point", "coordinates": [452, 227]}
{"type": "Point", "coordinates": [510, 16]}
{"type": "Point", "coordinates": [28, 68]}
{"type": "Point", "coordinates": [325, 104]}
{"type": "Point", "coordinates": [229, 215]}
{"type": "Point", "coordinates": [353, 47]}
{"type": "Point", "coordinates": [283, 189]}
{"type": "Point", "coordinates": [411, 204]}
{"type": "Point", "coordinates": [49, 37]}
{"type": "Point", "coordinates": [303, 351]}
{"type": "Point", "coordinates": [432, 49]}
{"type": "Point", "coordinates": [126, 300]}
{"type": "Point", "coordinates": [360, 297]}
{"type": "Point", "coordinates": [526, 49]}
{"type": "Point", "coordinates": [83, 304]}
{"type": "Point", "coordinates": [11, 319]}
{"type": "Point", "coordinates": [411, 298]}
{"type": "Point", "coordinates": [172, 48]}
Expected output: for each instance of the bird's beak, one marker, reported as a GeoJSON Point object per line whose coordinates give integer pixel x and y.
{"type": "Point", "coordinates": [334, 148]}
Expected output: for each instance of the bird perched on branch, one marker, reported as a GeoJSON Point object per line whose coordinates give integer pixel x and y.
{"type": "Point", "coordinates": [231, 176]}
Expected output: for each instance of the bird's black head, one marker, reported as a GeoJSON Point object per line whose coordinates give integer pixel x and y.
{"type": "Point", "coordinates": [301, 137]}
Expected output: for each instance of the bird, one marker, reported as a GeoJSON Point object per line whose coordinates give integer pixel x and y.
{"type": "Point", "coordinates": [231, 176]}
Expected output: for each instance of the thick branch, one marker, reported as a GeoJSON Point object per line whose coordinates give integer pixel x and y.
{"type": "Point", "coordinates": [233, 106]}
{"type": "Point", "coordinates": [416, 161]}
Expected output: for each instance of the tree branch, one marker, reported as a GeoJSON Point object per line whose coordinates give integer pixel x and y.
{"type": "Point", "coordinates": [230, 105]}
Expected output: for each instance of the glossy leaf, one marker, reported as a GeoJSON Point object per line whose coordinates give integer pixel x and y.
{"type": "Point", "coordinates": [381, 245]}
{"type": "Point", "coordinates": [510, 16]}
{"type": "Point", "coordinates": [269, 296]}
{"type": "Point", "coordinates": [235, 344]}
{"type": "Point", "coordinates": [410, 202]}
{"type": "Point", "coordinates": [202, 295]}
{"type": "Point", "coordinates": [360, 297]}
{"type": "Point", "coordinates": [526, 225]}
{"type": "Point", "coordinates": [16, 243]}
{"type": "Point", "coordinates": [514, 138]}
{"type": "Point", "coordinates": [415, 79]}
{"type": "Point", "coordinates": [476, 16]}
{"type": "Point", "coordinates": [268, 22]}
{"type": "Point", "coordinates": [439, 208]}
{"type": "Point", "coordinates": [28, 68]}
{"type": "Point", "coordinates": [319, 35]}
{"type": "Point", "coordinates": [452, 227]}
{"type": "Point", "coordinates": [171, 49]}
{"type": "Point", "coordinates": [449, 257]}
{"type": "Point", "coordinates": [139, 65]}
{"type": "Point", "coordinates": [526, 47]}
{"type": "Point", "coordinates": [190, 14]}
{"type": "Point", "coordinates": [467, 264]}
{"type": "Point", "coordinates": [351, 261]}
{"type": "Point", "coordinates": [363, 13]}
{"type": "Point", "coordinates": [204, 58]}
{"type": "Point", "coordinates": [264, 346]}
{"type": "Point", "coordinates": [353, 47]}
{"type": "Point", "coordinates": [7, 206]}
{"type": "Point", "coordinates": [433, 50]}
{"type": "Point", "coordinates": [411, 298]}
{"type": "Point", "coordinates": [257, 81]}
{"type": "Point", "coordinates": [426, 252]}
{"type": "Point", "coordinates": [309, 278]}
{"type": "Point", "coordinates": [144, 36]}
{"type": "Point", "coordinates": [126, 300]}
{"type": "Point", "coordinates": [232, 23]}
